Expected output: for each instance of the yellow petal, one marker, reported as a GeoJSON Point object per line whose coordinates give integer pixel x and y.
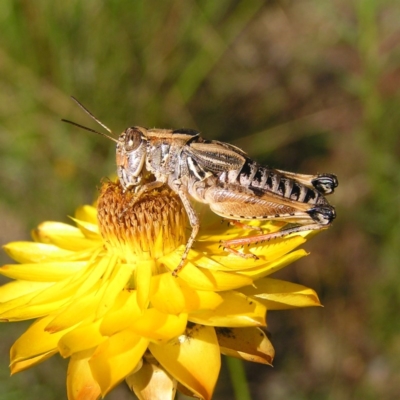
{"type": "Point", "coordinates": [53, 296]}
{"type": "Point", "coordinates": [86, 213]}
{"type": "Point", "coordinates": [115, 358]}
{"type": "Point", "coordinates": [81, 338]}
{"type": "Point", "coordinates": [186, 391]}
{"type": "Point", "coordinates": [271, 267]}
{"type": "Point", "coordinates": [278, 295]}
{"type": "Point", "coordinates": [22, 365]}
{"type": "Point", "coordinates": [227, 262]}
{"type": "Point", "coordinates": [98, 271]}
{"type": "Point", "coordinates": [213, 232]}
{"type": "Point", "coordinates": [35, 341]}
{"type": "Point", "coordinates": [117, 281]}
{"type": "Point", "coordinates": [34, 305]}
{"type": "Point", "coordinates": [237, 310]}
{"type": "Point", "coordinates": [152, 382]}
{"type": "Point", "coordinates": [193, 359]}
{"type": "Point", "coordinates": [42, 272]}
{"type": "Point", "coordinates": [19, 308]}
{"type": "Point", "coordinates": [19, 289]}
{"type": "Point", "coordinates": [26, 252]}
{"type": "Point", "coordinates": [170, 294]}
{"type": "Point", "coordinates": [77, 311]}
{"type": "Point", "coordinates": [143, 274]}
{"type": "Point", "coordinates": [74, 244]}
{"type": "Point", "coordinates": [203, 300]}
{"type": "Point", "coordinates": [251, 344]}
{"type": "Point", "coordinates": [159, 326]}
{"type": "Point", "coordinates": [63, 235]}
{"type": "Point", "coordinates": [78, 284]}
{"type": "Point", "coordinates": [275, 249]}
{"type": "Point", "coordinates": [123, 313]}
{"type": "Point", "coordinates": [46, 229]}
{"type": "Point", "coordinates": [173, 295]}
{"type": "Point", "coordinates": [203, 279]}
{"type": "Point", "coordinates": [80, 382]}
{"type": "Point", "coordinates": [81, 310]}
{"type": "Point", "coordinates": [206, 258]}
{"type": "Point", "coordinates": [89, 230]}
{"type": "Point", "coordinates": [24, 312]}
{"type": "Point", "coordinates": [265, 251]}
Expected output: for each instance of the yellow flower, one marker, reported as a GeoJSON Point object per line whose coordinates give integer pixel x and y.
{"type": "Point", "coordinates": [103, 294]}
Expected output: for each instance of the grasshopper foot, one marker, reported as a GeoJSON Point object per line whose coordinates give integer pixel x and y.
{"type": "Point", "coordinates": [231, 250]}
{"type": "Point", "coordinates": [241, 225]}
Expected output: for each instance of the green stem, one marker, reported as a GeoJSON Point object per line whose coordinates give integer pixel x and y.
{"type": "Point", "coordinates": [238, 378]}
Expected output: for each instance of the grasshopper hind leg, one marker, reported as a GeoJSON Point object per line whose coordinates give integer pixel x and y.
{"type": "Point", "coordinates": [322, 215]}
{"type": "Point", "coordinates": [319, 218]}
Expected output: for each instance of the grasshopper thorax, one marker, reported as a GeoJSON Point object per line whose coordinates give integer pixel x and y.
{"type": "Point", "coordinates": [131, 156]}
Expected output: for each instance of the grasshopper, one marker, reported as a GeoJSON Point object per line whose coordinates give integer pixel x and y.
{"type": "Point", "coordinates": [223, 177]}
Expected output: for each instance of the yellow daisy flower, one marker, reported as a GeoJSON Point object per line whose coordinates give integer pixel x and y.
{"type": "Point", "coordinates": [102, 293]}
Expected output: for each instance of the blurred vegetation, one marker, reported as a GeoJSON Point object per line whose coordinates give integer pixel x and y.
{"type": "Point", "coordinates": [304, 85]}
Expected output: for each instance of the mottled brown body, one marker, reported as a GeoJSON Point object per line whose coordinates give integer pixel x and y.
{"type": "Point", "coordinates": [222, 176]}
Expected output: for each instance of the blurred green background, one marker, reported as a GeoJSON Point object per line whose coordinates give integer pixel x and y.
{"type": "Point", "coordinates": [305, 85]}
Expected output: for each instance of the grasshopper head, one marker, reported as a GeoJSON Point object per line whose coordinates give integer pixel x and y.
{"type": "Point", "coordinates": [131, 156]}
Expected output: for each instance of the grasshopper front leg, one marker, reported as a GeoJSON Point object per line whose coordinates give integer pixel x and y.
{"type": "Point", "coordinates": [142, 190]}
{"type": "Point", "coordinates": [194, 223]}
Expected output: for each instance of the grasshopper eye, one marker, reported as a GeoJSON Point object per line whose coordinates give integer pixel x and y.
{"type": "Point", "coordinates": [131, 156]}
{"type": "Point", "coordinates": [133, 139]}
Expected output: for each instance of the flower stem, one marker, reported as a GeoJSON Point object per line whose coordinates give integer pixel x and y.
{"type": "Point", "coordinates": [238, 378]}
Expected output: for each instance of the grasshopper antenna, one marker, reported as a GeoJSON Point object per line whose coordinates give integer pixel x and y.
{"type": "Point", "coordinates": [89, 129]}
{"type": "Point", "coordinates": [93, 117]}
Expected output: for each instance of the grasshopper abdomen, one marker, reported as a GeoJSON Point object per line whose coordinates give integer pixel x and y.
{"type": "Point", "coordinates": [262, 179]}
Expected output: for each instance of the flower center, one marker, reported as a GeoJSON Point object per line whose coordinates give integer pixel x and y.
{"type": "Point", "coordinates": [150, 226]}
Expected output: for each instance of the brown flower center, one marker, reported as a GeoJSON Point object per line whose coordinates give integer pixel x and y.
{"type": "Point", "coordinates": [150, 226]}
